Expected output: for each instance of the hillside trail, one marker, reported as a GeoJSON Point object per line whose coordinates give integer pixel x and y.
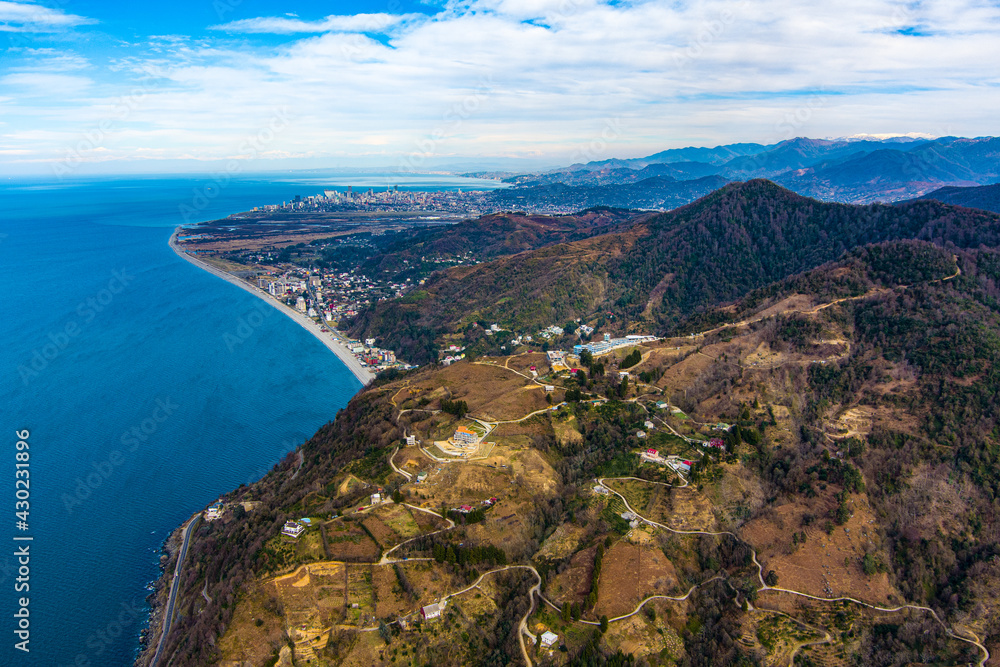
{"type": "Point", "coordinates": [975, 641]}
{"type": "Point", "coordinates": [815, 309]}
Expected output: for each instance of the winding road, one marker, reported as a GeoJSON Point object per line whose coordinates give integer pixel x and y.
{"type": "Point", "coordinates": [385, 557]}
{"type": "Point", "coordinates": [408, 476]}
{"type": "Point", "coordinates": [764, 587]}
{"type": "Point", "coordinates": [522, 627]}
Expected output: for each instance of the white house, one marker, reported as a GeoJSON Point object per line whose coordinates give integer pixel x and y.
{"type": "Point", "coordinates": [433, 610]}
{"type": "Point", "coordinates": [292, 529]}
{"type": "Point", "coordinates": [549, 639]}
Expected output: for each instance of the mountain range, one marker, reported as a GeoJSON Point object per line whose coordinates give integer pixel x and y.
{"type": "Point", "coordinates": [842, 170]}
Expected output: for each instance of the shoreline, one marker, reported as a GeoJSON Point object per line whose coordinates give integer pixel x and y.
{"type": "Point", "coordinates": [363, 375]}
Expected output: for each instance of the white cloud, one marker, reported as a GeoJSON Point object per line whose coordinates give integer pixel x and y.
{"type": "Point", "coordinates": [29, 17]}
{"type": "Point", "coordinates": [375, 23]}
{"type": "Point", "coordinates": [49, 60]}
{"type": "Point", "coordinates": [41, 84]}
{"type": "Point", "coordinates": [513, 77]}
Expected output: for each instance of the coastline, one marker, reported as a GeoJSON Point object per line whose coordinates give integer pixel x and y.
{"type": "Point", "coordinates": [364, 375]}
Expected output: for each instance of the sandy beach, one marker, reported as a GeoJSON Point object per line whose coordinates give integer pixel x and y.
{"type": "Point", "coordinates": [332, 342]}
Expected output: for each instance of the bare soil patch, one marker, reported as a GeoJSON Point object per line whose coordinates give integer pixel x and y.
{"type": "Point", "coordinates": [349, 542]}
{"type": "Point", "coordinates": [629, 574]}
{"type": "Point", "coordinates": [826, 565]}
{"type": "Point", "coordinates": [573, 584]}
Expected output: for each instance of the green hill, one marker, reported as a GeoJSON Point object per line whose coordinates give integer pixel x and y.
{"type": "Point", "coordinates": [986, 197]}
{"type": "Point", "coordinates": [661, 271]}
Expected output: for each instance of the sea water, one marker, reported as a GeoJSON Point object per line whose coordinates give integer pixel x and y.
{"type": "Point", "coordinates": [140, 410]}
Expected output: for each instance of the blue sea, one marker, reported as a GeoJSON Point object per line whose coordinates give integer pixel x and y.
{"type": "Point", "coordinates": [138, 412]}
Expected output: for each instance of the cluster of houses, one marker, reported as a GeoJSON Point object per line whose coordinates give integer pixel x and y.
{"type": "Point", "coordinates": [450, 359]}
{"type": "Point", "coordinates": [370, 355]}
{"type": "Point", "coordinates": [465, 509]}
{"type": "Point", "coordinates": [551, 332]}
{"type": "Point", "coordinates": [678, 465]}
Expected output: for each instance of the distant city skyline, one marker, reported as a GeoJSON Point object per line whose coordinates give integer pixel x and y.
{"type": "Point", "coordinates": [246, 86]}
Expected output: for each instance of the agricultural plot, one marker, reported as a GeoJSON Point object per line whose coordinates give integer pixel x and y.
{"type": "Point", "coordinates": [573, 584]}
{"type": "Point", "coordinates": [629, 574]}
{"type": "Point", "coordinates": [646, 634]}
{"type": "Point", "coordinates": [383, 534]}
{"type": "Point", "coordinates": [349, 542]}
{"type": "Point", "coordinates": [360, 592]}
{"type": "Point", "coordinates": [400, 520]}
{"type": "Point", "coordinates": [561, 543]}
{"type": "Point", "coordinates": [245, 639]}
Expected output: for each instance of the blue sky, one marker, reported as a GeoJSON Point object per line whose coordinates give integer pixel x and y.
{"type": "Point", "coordinates": [97, 86]}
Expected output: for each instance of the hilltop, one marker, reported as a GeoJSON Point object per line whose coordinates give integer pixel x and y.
{"type": "Point", "coordinates": [659, 271]}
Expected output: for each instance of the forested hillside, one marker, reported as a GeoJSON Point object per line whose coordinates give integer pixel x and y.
{"type": "Point", "coordinates": [662, 271]}
{"type": "Point", "coordinates": [414, 253]}
{"type": "Point", "coordinates": [986, 197]}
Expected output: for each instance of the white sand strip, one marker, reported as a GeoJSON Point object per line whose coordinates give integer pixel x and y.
{"type": "Point", "coordinates": [332, 340]}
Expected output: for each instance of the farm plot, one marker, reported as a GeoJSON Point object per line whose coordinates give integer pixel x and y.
{"type": "Point", "coordinates": [349, 542]}
{"type": "Point", "coordinates": [629, 574]}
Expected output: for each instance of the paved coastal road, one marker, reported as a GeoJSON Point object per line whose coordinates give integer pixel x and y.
{"type": "Point", "coordinates": [174, 585]}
